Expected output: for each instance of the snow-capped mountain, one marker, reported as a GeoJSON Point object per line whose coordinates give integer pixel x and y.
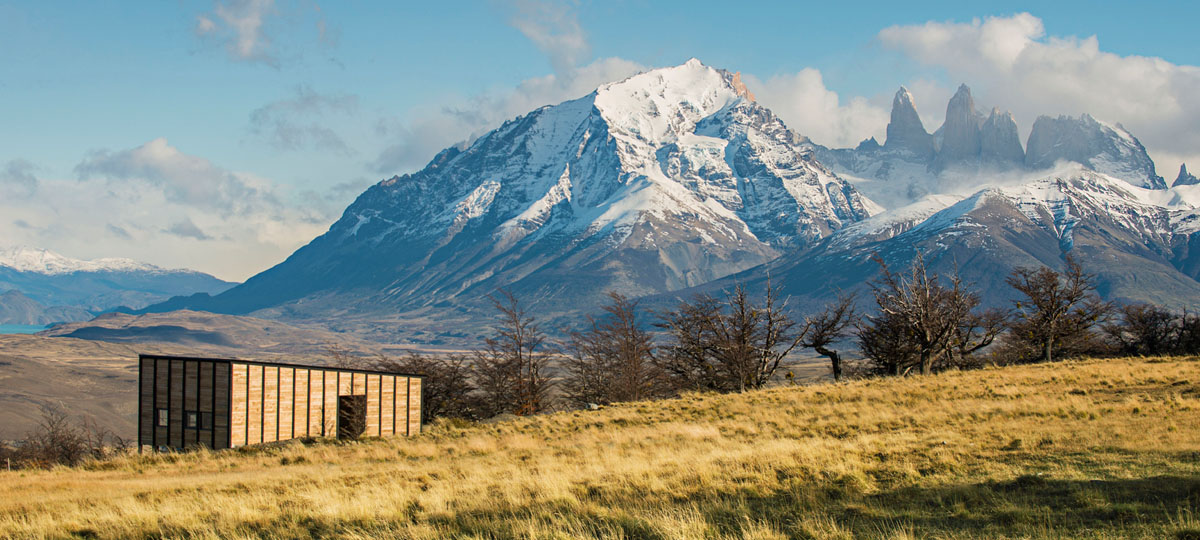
{"type": "Point", "coordinates": [1185, 178]}
{"type": "Point", "coordinates": [1144, 244]}
{"type": "Point", "coordinates": [1102, 147]}
{"type": "Point", "coordinates": [665, 180]}
{"type": "Point", "coordinates": [43, 261]}
{"type": "Point", "coordinates": [48, 279]}
{"type": "Point", "coordinates": [676, 180]}
{"type": "Point", "coordinates": [971, 149]}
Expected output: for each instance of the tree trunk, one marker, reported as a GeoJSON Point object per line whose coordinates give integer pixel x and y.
{"type": "Point", "coordinates": [926, 363]}
{"type": "Point", "coordinates": [835, 359]}
{"type": "Point", "coordinates": [1046, 350]}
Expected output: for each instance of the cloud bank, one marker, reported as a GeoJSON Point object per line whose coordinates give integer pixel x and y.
{"type": "Point", "coordinates": [1011, 63]}
{"type": "Point", "coordinates": [157, 203]}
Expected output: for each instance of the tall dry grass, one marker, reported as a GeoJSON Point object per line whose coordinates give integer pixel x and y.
{"type": "Point", "coordinates": [1093, 449]}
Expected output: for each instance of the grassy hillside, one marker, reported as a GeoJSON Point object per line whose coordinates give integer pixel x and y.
{"type": "Point", "coordinates": [1095, 449]}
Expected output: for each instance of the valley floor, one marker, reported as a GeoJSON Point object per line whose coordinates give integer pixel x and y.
{"type": "Point", "coordinates": [1090, 449]}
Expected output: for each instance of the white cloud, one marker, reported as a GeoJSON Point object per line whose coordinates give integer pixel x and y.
{"type": "Point", "coordinates": [239, 24]}
{"type": "Point", "coordinates": [415, 141]}
{"type": "Point", "coordinates": [811, 109]}
{"type": "Point", "coordinates": [554, 28]}
{"type": "Point", "coordinates": [1009, 62]}
{"type": "Point", "coordinates": [184, 228]}
{"type": "Point", "coordinates": [140, 202]}
{"type": "Point", "coordinates": [264, 30]}
{"type": "Point", "coordinates": [17, 179]}
{"type": "Point", "coordinates": [183, 179]}
{"type": "Point", "coordinates": [300, 122]}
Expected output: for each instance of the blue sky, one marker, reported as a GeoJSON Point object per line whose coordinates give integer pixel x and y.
{"type": "Point", "coordinates": [222, 135]}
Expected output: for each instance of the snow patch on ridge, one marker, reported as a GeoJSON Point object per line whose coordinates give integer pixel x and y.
{"type": "Point", "coordinates": [42, 261]}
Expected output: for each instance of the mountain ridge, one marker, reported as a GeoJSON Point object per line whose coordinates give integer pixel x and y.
{"type": "Point", "coordinates": [675, 180]}
{"type": "Point", "coordinates": [664, 180]}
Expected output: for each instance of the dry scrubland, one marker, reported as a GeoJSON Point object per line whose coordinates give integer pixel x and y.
{"type": "Point", "coordinates": [1093, 449]}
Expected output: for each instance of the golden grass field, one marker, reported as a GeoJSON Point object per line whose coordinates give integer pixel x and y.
{"type": "Point", "coordinates": [1088, 449]}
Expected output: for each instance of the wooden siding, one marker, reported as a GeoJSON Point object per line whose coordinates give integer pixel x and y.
{"type": "Point", "coordinates": [145, 401]}
{"type": "Point", "coordinates": [239, 401]}
{"type": "Point", "coordinates": [387, 407]}
{"type": "Point", "coordinates": [185, 389]}
{"type": "Point", "coordinates": [371, 389]}
{"type": "Point", "coordinates": [236, 403]}
{"type": "Point", "coordinates": [400, 405]}
{"type": "Point", "coordinates": [414, 405]}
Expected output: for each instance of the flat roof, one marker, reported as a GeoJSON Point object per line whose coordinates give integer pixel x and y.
{"type": "Point", "coordinates": [277, 364]}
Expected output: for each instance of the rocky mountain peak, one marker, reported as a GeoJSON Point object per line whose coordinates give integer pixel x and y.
{"type": "Point", "coordinates": [663, 180]}
{"type": "Point", "coordinates": [999, 142]}
{"type": "Point", "coordinates": [1102, 147]}
{"type": "Point", "coordinates": [960, 132]}
{"type": "Point", "coordinates": [740, 87]}
{"type": "Point", "coordinates": [1185, 178]}
{"type": "Point", "coordinates": [905, 131]}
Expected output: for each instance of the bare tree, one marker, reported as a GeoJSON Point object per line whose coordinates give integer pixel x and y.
{"type": "Point", "coordinates": [828, 327]}
{"type": "Point", "coordinates": [1187, 339]}
{"type": "Point", "coordinates": [918, 311]}
{"type": "Point", "coordinates": [613, 359]}
{"type": "Point", "coordinates": [1058, 309]}
{"type": "Point", "coordinates": [883, 339]}
{"type": "Point", "coordinates": [975, 332]}
{"type": "Point", "coordinates": [687, 358]}
{"type": "Point", "coordinates": [733, 345]}
{"type": "Point", "coordinates": [1144, 329]}
{"type": "Point", "coordinates": [446, 389]}
{"type": "Point", "coordinates": [58, 441]}
{"type": "Point", "coordinates": [341, 357]}
{"type": "Point", "coordinates": [510, 371]}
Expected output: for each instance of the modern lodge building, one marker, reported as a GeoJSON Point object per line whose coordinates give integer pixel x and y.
{"type": "Point", "coordinates": [223, 403]}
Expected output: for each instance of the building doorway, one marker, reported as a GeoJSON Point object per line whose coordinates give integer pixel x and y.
{"type": "Point", "coordinates": [352, 416]}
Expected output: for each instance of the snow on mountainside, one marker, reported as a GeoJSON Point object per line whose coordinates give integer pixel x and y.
{"type": "Point", "coordinates": [50, 279]}
{"type": "Point", "coordinates": [42, 261]}
{"type": "Point", "coordinates": [971, 149]}
{"type": "Point", "coordinates": [1144, 244]}
{"type": "Point", "coordinates": [1102, 147]}
{"type": "Point", "coordinates": [665, 180]}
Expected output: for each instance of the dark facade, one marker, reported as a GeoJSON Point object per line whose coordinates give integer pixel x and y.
{"type": "Point", "coordinates": [221, 403]}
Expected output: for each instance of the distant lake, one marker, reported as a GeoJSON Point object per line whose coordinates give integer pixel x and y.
{"type": "Point", "coordinates": [21, 328]}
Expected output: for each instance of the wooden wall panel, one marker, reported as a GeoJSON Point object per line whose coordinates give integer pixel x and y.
{"type": "Point", "coordinates": [329, 421]}
{"type": "Point", "coordinates": [300, 412]}
{"type": "Point", "coordinates": [316, 405]}
{"type": "Point", "coordinates": [205, 399]}
{"type": "Point", "coordinates": [254, 410]}
{"type": "Point", "coordinates": [414, 406]}
{"type": "Point", "coordinates": [162, 386]}
{"type": "Point", "coordinates": [270, 404]}
{"type": "Point", "coordinates": [345, 383]}
{"type": "Point", "coordinates": [239, 407]}
{"type": "Point", "coordinates": [176, 415]}
{"type": "Point", "coordinates": [145, 402]}
{"type": "Point", "coordinates": [221, 414]}
{"type": "Point", "coordinates": [191, 400]}
{"type": "Point", "coordinates": [287, 402]}
{"type": "Point", "coordinates": [371, 386]}
{"type": "Point", "coordinates": [402, 388]}
{"type": "Point", "coordinates": [360, 384]}
{"type": "Point", "coordinates": [387, 405]}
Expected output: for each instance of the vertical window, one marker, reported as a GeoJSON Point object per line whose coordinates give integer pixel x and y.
{"type": "Point", "coordinates": [191, 419]}
{"type": "Point", "coordinates": [162, 418]}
